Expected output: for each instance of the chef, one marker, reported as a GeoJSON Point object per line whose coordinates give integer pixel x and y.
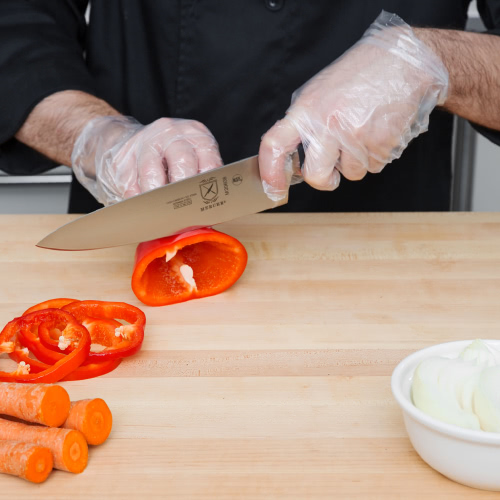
{"type": "Point", "coordinates": [149, 92]}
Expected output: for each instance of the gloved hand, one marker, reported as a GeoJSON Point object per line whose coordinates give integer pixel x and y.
{"type": "Point", "coordinates": [359, 113]}
{"type": "Point", "coordinates": [116, 157]}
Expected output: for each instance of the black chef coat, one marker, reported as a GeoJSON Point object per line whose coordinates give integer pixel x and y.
{"type": "Point", "coordinates": [232, 65]}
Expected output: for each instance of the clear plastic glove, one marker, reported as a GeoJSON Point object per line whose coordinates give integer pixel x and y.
{"type": "Point", "coordinates": [359, 113]}
{"type": "Point", "coordinates": [115, 157]}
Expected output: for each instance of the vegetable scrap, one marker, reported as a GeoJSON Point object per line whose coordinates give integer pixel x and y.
{"type": "Point", "coordinates": [187, 266]}
{"type": "Point", "coordinates": [61, 442]}
{"type": "Point", "coordinates": [66, 339]}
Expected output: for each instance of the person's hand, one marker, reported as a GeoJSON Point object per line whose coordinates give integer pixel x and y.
{"type": "Point", "coordinates": [115, 157]}
{"type": "Point", "coordinates": [359, 113]}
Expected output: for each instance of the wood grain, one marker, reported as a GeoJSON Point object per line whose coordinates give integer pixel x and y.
{"type": "Point", "coordinates": [280, 387]}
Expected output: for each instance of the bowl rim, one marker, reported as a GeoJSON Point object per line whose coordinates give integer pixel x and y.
{"type": "Point", "coordinates": [406, 404]}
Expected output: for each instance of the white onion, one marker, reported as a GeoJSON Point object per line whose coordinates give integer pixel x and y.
{"type": "Point", "coordinates": [463, 391]}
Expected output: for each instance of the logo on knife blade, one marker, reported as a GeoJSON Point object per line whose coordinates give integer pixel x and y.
{"type": "Point", "coordinates": [209, 190]}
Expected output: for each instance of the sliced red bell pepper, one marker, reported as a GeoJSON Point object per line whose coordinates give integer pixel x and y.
{"type": "Point", "coordinates": [49, 304]}
{"type": "Point", "coordinates": [102, 332]}
{"type": "Point", "coordinates": [83, 372]}
{"type": "Point", "coordinates": [40, 334]}
{"type": "Point", "coordinates": [29, 337]}
{"type": "Point", "coordinates": [19, 355]}
{"type": "Point", "coordinates": [187, 266]}
{"type": "Point", "coordinates": [120, 341]}
{"type": "Point", "coordinates": [37, 343]}
{"type": "Point", "coordinates": [24, 328]}
{"type": "Point", "coordinates": [92, 370]}
{"type": "Point", "coordinates": [8, 336]}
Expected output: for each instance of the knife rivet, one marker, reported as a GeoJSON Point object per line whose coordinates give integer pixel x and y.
{"type": "Point", "coordinates": [274, 5]}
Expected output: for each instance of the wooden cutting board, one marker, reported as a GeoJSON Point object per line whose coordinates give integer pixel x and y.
{"type": "Point", "coordinates": [280, 387]}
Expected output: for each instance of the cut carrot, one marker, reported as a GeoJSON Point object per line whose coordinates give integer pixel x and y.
{"type": "Point", "coordinates": [41, 404]}
{"type": "Point", "coordinates": [68, 447]}
{"type": "Point", "coordinates": [92, 418]}
{"type": "Point", "coordinates": [29, 461]}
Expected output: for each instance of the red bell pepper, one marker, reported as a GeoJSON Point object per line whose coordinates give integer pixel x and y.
{"type": "Point", "coordinates": [20, 355]}
{"type": "Point", "coordinates": [84, 371]}
{"type": "Point", "coordinates": [187, 266]}
{"type": "Point", "coordinates": [30, 336]}
{"type": "Point", "coordinates": [39, 330]}
{"type": "Point", "coordinates": [92, 370]}
{"type": "Point", "coordinates": [36, 343]}
{"type": "Point", "coordinates": [49, 304]}
{"type": "Point", "coordinates": [100, 317]}
{"type": "Point", "coordinates": [24, 328]}
{"type": "Point", "coordinates": [102, 332]}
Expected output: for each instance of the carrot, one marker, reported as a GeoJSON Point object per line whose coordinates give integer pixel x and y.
{"type": "Point", "coordinates": [68, 447]}
{"type": "Point", "coordinates": [25, 460]}
{"type": "Point", "coordinates": [41, 404]}
{"type": "Point", "coordinates": [92, 418]}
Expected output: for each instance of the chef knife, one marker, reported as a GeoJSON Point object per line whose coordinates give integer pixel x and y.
{"type": "Point", "coordinates": [204, 200]}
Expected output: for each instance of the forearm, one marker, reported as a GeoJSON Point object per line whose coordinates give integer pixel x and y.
{"type": "Point", "coordinates": [54, 124]}
{"type": "Point", "coordinates": [471, 60]}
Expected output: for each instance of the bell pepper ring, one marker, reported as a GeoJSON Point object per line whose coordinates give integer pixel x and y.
{"type": "Point", "coordinates": [83, 372]}
{"type": "Point", "coordinates": [119, 340]}
{"type": "Point", "coordinates": [13, 347]}
{"type": "Point", "coordinates": [187, 266]}
{"type": "Point", "coordinates": [8, 337]}
{"type": "Point", "coordinates": [102, 332]}
{"type": "Point", "coordinates": [49, 336]}
{"type": "Point", "coordinates": [24, 328]}
{"type": "Point", "coordinates": [49, 304]}
{"type": "Point", "coordinates": [30, 336]}
{"type": "Point", "coordinates": [92, 370]}
{"type": "Point", "coordinates": [58, 303]}
{"type": "Point", "coordinates": [21, 355]}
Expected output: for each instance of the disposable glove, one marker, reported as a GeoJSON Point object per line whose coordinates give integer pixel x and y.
{"type": "Point", "coordinates": [115, 157]}
{"type": "Point", "coordinates": [359, 113]}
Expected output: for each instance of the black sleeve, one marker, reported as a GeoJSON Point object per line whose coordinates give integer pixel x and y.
{"type": "Point", "coordinates": [41, 52]}
{"type": "Point", "coordinates": [489, 11]}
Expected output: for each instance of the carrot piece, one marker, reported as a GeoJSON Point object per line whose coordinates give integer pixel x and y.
{"type": "Point", "coordinates": [41, 403]}
{"type": "Point", "coordinates": [68, 447]}
{"type": "Point", "coordinates": [26, 460]}
{"type": "Point", "coordinates": [92, 418]}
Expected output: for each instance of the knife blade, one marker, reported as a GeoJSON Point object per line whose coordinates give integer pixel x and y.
{"type": "Point", "coordinates": [203, 200]}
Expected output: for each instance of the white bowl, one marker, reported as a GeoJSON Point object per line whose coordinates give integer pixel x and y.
{"type": "Point", "coordinates": [466, 456]}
